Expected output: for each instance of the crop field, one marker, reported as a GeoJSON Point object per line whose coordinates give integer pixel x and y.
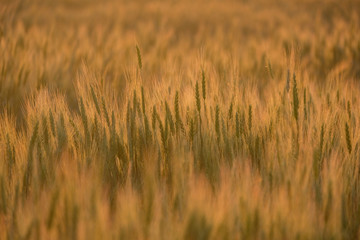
{"type": "Point", "coordinates": [179, 119]}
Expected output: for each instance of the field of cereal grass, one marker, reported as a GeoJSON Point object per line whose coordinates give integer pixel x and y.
{"type": "Point", "coordinates": [179, 119]}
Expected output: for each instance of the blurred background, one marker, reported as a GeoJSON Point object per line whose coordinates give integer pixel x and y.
{"type": "Point", "coordinates": [175, 38]}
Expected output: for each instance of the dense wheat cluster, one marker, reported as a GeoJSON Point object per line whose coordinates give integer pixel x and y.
{"type": "Point", "coordinates": [183, 119]}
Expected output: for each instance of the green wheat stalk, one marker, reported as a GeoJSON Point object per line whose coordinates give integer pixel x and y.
{"type": "Point", "coordinates": [270, 70]}
{"type": "Point", "coordinates": [250, 118]}
{"type": "Point", "coordinates": [178, 123]}
{"type": "Point", "coordinates": [143, 100]}
{"type": "Point", "coordinates": [3, 197]}
{"type": "Point", "coordinates": [154, 117]}
{"type": "Point", "coordinates": [84, 122]}
{"type": "Point", "coordinates": [169, 118]}
{"type": "Point", "coordinates": [139, 57]}
{"type": "Point", "coordinates": [203, 84]}
{"type": "Point", "coordinates": [96, 102]}
{"type": "Point", "coordinates": [106, 115]}
{"type": "Point", "coordinates": [237, 125]}
{"type": "Point", "coordinates": [197, 96]}
{"type": "Point", "coordinates": [349, 109]}
{"type": "Point", "coordinates": [217, 122]}
{"type": "Point", "coordinates": [10, 152]}
{"type": "Point", "coordinates": [295, 99]}
{"type": "Point", "coordinates": [348, 138]}
{"type": "Point", "coordinates": [29, 168]}
{"type": "Point", "coordinates": [52, 123]}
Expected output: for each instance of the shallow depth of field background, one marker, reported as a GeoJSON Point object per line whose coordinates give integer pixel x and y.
{"type": "Point", "coordinates": [179, 119]}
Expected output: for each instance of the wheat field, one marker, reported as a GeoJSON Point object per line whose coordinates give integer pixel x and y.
{"type": "Point", "coordinates": [179, 119]}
